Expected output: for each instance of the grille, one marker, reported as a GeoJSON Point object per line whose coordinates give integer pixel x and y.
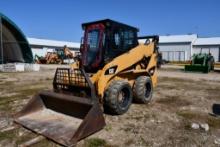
{"type": "Point", "coordinates": [66, 78]}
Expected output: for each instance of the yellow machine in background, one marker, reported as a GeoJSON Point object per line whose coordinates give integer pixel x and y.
{"type": "Point", "coordinates": [56, 57]}
{"type": "Point", "coordinates": [112, 70]}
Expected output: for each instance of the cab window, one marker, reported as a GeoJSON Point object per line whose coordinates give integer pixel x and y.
{"type": "Point", "coordinates": [128, 39]}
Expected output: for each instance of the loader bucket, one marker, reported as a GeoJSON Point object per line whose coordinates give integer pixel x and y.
{"type": "Point", "coordinates": [63, 118]}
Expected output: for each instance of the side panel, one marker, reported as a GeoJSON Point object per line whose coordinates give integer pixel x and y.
{"type": "Point", "coordinates": [125, 61]}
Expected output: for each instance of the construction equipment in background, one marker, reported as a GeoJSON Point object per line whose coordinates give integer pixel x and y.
{"type": "Point", "coordinates": [67, 53]}
{"type": "Point", "coordinates": [201, 62]}
{"type": "Point", "coordinates": [50, 58]}
{"type": "Point", "coordinates": [57, 57]}
{"type": "Point", "coordinates": [112, 69]}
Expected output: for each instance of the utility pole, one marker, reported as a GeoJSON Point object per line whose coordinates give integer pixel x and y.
{"type": "Point", "coordinates": [1, 42]}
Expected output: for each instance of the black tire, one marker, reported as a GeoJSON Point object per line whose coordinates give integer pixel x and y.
{"type": "Point", "coordinates": [143, 89]}
{"type": "Point", "coordinates": [118, 97]}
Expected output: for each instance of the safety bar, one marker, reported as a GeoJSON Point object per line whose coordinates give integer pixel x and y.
{"type": "Point", "coordinates": [154, 37]}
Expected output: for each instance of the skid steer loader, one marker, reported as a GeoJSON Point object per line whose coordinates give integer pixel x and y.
{"type": "Point", "coordinates": [111, 69]}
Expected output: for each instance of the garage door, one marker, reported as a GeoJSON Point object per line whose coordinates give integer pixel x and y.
{"type": "Point", "coordinates": [165, 56]}
{"type": "Point", "coordinates": [179, 56]}
{"type": "Point", "coordinates": [173, 55]}
{"type": "Point", "coordinates": [170, 56]}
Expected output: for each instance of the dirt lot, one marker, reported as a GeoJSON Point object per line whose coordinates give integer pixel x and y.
{"type": "Point", "coordinates": [179, 100]}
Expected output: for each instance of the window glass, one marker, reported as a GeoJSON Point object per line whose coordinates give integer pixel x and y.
{"type": "Point", "coordinates": [128, 39]}
{"type": "Point", "coordinates": [93, 39]}
{"type": "Point", "coordinates": [123, 39]}
{"type": "Point", "coordinates": [93, 44]}
{"type": "Point", "coordinates": [117, 39]}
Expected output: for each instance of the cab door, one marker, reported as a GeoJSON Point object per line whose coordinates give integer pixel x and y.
{"type": "Point", "coordinates": [93, 45]}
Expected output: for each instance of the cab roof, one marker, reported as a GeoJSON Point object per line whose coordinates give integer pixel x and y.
{"type": "Point", "coordinates": [109, 23]}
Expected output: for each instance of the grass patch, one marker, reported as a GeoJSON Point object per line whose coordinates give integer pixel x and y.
{"type": "Point", "coordinates": [166, 86]}
{"type": "Point", "coordinates": [188, 115]}
{"type": "Point", "coordinates": [5, 102]}
{"type": "Point", "coordinates": [45, 143]}
{"type": "Point", "coordinates": [22, 94]}
{"type": "Point", "coordinates": [108, 128]}
{"type": "Point", "coordinates": [24, 138]}
{"type": "Point", "coordinates": [49, 79]}
{"type": "Point", "coordinates": [213, 93]}
{"type": "Point", "coordinates": [128, 127]}
{"type": "Point", "coordinates": [185, 140]}
{"type": "Point", "coordinates": [136, 117]}
{"type": "Point", "coordinates": [95, 142]}
{"type": "Point", "coordinates": [174, 101]}
{"type": "Point", "coordinates": [178, 80]}
{"type": "Point", "coordinates": [213, 122]}
{"type": "Point", "coordinates": [145, 143]}
{"type": "Point", "coordinates": [129, 142]}
{"type": "Point", "coordinates": [6, 85]}
{"type": "Point", "coordinates": [10, 135]}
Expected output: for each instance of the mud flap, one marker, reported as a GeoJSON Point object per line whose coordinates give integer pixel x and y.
{"type": "Point", "coordinates": [63, 118]}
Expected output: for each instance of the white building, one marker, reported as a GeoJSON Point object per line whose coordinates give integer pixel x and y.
{"type": "Point", "coordinates": [172, 47]}
{"type": "Point", "coordinates": [41, 46]}
{"type": "Point", "coordinates": [176, 47]}
{"type": "Point", "coordinates": [182, 47]}
{"type": "Point", "coordinates": [206, 45]}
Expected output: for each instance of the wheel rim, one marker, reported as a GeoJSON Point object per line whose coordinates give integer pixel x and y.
{"type": "Point", "coordinates": [123, 97]}
{"type": "Point", "coordinates": [147, 90]}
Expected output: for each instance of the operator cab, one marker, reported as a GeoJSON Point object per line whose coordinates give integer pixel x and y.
{"type": "Point", "coordinates": [103, 41]}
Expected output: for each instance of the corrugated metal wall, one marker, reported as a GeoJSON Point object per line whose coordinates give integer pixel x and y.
{"type": "Point", "coordinates": [175, 51]}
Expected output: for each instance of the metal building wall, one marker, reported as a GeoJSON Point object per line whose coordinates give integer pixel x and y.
{"type": "Point", "coordinates": [175, 51]}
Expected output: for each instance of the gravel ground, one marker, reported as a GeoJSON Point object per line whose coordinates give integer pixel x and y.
{"type": "Point", "coordinates": [180, 100]}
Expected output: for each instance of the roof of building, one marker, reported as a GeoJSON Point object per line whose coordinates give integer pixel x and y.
{"type": "Point", "coordinates": [176, 38]}
{"type": "Point", "coordinates": [52, 43]}
{"type": "Point", "coordinates": [11, 33]}
{"type": "Point", "coordinates": [207, 41]}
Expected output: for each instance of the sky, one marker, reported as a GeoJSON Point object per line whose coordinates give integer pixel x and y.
{"type": "Point", "coordinates": [62, 19]}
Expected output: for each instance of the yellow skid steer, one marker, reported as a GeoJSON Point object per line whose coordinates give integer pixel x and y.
{"type": "Point", "coordinates": [112, 70]}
